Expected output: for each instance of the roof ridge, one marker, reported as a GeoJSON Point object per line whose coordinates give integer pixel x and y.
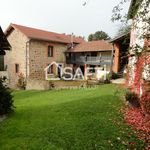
{"type": "Point", "coordinates": [37, 29]}
{"type": "Point", "coordinates": [91, 46]}
{"type": "Point", "coordinates": [45, 35]}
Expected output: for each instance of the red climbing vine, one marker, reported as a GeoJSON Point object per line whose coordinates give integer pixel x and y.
{"type": "Point", "coordinates": [139, 118]}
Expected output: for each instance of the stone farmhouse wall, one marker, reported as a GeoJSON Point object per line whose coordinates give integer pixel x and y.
{"type": "Point", "coordinates": [139, 28]}
{"type": "Point", "coordinates": [32, 57]}
{"type": "Point", "coordinates": [16, 56]}
{"type": "Point", "coordinates": [38, 57]}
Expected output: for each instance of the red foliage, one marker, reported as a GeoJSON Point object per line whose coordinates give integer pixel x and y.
{"type": "Point", "coordinates": [137, 119]}
{"type": "Point", "coordinates": [145, 103]}
{"type": "Point", "coordinates": [138, 74]}
{"type": "Point", "coordinates": [140, 118]}
{"type": "Point", "coordinates": [138, 81]}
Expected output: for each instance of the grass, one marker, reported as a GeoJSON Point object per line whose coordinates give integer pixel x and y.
{"type": "Point", "coordinates": [78, 119]}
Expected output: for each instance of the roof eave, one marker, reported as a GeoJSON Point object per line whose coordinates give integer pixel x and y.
{"type": "Point", "coordinates": [48, 40]}
{"type": "Point", "coordinates": [77, 51]}
{"type": "Point", "coordinates": [5, 45]}
{"type": "Point", "coordinates": [131, 13]}
{"type": "Point", "coordinates": [119, 37]}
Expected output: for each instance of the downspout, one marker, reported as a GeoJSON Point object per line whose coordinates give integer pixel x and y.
{"type": "Point", "coordinates": [27, 57]}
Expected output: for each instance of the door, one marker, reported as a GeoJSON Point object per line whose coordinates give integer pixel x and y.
{"type": "Point", "coordinates": [59, 70]}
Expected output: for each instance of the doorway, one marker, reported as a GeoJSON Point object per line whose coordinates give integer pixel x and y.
{"type": "Point", "coordinates": [59, 70]}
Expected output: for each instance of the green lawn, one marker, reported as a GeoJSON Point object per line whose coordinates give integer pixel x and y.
{"type": "Point", "coordinates": [78, 119]}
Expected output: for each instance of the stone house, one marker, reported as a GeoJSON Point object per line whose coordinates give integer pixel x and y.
{"type": "Point", "coordinates": [32, 50]}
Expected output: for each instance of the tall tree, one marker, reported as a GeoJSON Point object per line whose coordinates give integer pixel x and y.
{"type": "Point", "coordinates": [124, 29]}
{"type": "Point", "coordinates": [99, 35]}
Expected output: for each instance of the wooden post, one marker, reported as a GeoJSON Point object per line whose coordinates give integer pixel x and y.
{"type": "Point", "coordinates": [116, 58]}
{"type": "Point", "coordinates": [112, 60]}
{"type": "Point", "coordinates": [85, 72]}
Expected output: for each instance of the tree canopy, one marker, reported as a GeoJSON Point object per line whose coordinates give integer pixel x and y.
{"type": "Point", "coordinates": [124, 29]}
{"type": "Point", "coordinates": [99, 35]}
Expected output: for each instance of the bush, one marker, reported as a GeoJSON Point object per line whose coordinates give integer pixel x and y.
{"type": "Point", "coordinates": [114, 75]}
{"type": "Point", "coordinates": [132, 98]}
{"type": "Point", "coordinates": [6, 102]}
{"type": "Point", "coordinates": [21, 82]}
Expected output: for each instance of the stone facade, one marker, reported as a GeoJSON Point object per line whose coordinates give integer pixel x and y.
{"type": "Point", "coordinates": [17, 55]}
{"type": "Point", "coordinates": [29, 55]}
{"type": "Point", "coordinates": [32, 57]}
{"type": "Point", "coordinates": [38, 57]}
{"type": "Point", "coordinates": [140, 27]}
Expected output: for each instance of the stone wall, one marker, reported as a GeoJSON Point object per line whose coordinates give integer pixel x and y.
{"type": "Point", "coordinates": [17, 55]}
{"type": "Point", "coordinates": [38, 58]}
{"type": "Point", "coordinates": [33, 84]}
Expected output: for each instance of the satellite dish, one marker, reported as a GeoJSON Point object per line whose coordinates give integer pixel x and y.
{"type": "Point", "coordinates": [2, 52]}
{"type": "Point", "coordinates": [84, 3]}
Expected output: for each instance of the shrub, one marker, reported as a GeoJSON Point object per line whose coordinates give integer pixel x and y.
{"type": "Point", "coordinates": [21, 81]}
{"type": "Point", "coordinates": [132, 98]}
{"type": "Point", "coordinates": [114, 75]}
{"type": "Point", "coordinates": [107, 81]}
{"type": "Point", "coordinates": [6, 102]}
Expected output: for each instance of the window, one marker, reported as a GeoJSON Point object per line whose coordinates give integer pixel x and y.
{"type": "Point", "coordinates": [17, 68]}
{"type": "Point", "coordinates": [92, 69]}
{"type": "Point", "coordinates": [50, 70]}
{"type": "Point", "coordinates": [50, 51]}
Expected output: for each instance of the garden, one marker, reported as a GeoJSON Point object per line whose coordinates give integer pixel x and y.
{"type": "Point", "coordinates": [85, 118]}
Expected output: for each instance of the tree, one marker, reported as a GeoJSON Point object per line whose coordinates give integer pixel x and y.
{"type": "Point", "coordinates": [99, 35]}
{"type": "Point", "coordinates": [139, 16]}
{"type": "Point", "coordinates": [124, 29]}
{"type": "Point", "coordinates": [6, 101]}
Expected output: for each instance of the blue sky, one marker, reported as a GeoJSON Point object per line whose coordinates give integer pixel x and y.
{"type": "Point", "coordinates": [62, 16]}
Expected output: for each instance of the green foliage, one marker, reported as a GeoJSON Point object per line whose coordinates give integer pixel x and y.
{"type": "Point", "coordinates": [6, 102]}
{"type": "Point", "coordinates": [132, 98]}
{"type": "Point", "coordinates": [117, 12]}
{"type": "Point", "coordinates": [76, 119]}
{"type": "Point", "coordinates": [141, 15]}
{"type": "Point", "coordinates": [135, 6]}
{"type": "Point", "coordinates": [114, 75]}
{"type": "Point", "coordinates": [99, 35]}
{"type": "Point", "coordinates": [21, 81]}
{"type": "Point", "coordinates": [124, 29]}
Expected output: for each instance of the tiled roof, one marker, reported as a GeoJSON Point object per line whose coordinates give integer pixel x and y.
{"type": "Point", "coordinates": [38, 34]}
{"type": "Point", "coordinates": [120, 37]}
{"type": "Point", "coordinates": [92, 46]}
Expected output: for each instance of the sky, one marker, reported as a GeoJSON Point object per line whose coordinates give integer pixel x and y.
{"type": "Point", "coordinates": [61, 16]}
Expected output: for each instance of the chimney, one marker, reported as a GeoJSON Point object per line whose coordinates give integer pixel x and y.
{"type": "Point", "coordinates": [72, 40]}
